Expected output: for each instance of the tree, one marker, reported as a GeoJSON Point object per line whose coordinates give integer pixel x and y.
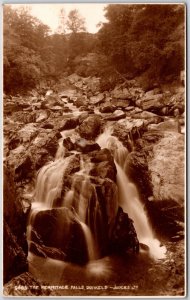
{"type": "Point", "coordinates": [75, 22]}
{"type": "Point", "coordinates": [62, 22]}
{"type": "Point", "coordinates": [144, 39]}
{"type": "Point", "coordinates": [24, 39]}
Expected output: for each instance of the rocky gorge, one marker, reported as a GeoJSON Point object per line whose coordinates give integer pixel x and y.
{"type": "Point", "coordinates": [72, 156]}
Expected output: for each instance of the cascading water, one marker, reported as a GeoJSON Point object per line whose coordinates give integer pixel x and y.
{"type": "Point", "coordinates": [49, 187]}
{"type": "Point", "coordinates": [128, 195]}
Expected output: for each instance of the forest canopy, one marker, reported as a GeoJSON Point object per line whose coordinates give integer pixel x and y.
{"type": "Point", "coordinates": [137, 41]}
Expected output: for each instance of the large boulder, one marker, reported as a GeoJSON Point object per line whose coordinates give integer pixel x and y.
{"type": "Point", "coordinates": [90, 127]}
{"type": "Point", "coordinates": [171, 125]}
{"type": "Point", "coordinates": [166, 167]}
{"type": "Point", "coordinates": [157, 167]}
{"type": "Point", "coordinates": [152, 102]}
{"type": "Point", "coordinates": [123, 237]}
{"type": "Point", "coordinates": [128, 131]}
{"type": "Point", "coordinates": [167, 217]}
{"type": "Point", "coordinates": [21, 162]}
{"type": "Point", "coordinates": [103, 164]}
{"type": "Point", "coordinates": [40, 147]}
{"type": "Point", "coordinates": [121, 93]}
{"type": "Point", "coordinates": [104, 170]}
{"type": "Point", "coordinates": [14, 258]}
{"type": "Point", "coordinates": [68, 123]}
{"type": "Point", "coordinates": [46, 139]}
{"type": "Point", "coordinates": [27, 133]}
{"type": "Point", "coordinates": [62, 231]}
{"type": "Point", "coordinates": [25, 285]}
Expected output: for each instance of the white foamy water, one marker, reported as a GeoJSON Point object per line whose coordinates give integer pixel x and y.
{"type": "Point", "coordinates": [128, 196]}
{"type": "Point", "coordinates": [131, 204]}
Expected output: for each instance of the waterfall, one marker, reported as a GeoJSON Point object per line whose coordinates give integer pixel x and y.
{"type": "Point", "coordinates": [89, 241]}
{"type": "Point", "coordinates": [128, 196]}
{"type": "Point", "coordinates": [49, 186]}
{"type": "Point", "coordinates": [81, 198]}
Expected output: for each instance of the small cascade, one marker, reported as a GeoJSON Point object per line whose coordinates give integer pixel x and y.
{"type": "Point", "coordinates": [49, 181]}
{"type": "Point", "coordinates": [77, 198]}
{"type": "Point", "coordinates": [89, 242]}
{"type": "Point", "coordinates": [49, 187]}
{"type": "Point", "coordinates": [131, 204]}
{"type": "Point", "coordinates": [128, 196]}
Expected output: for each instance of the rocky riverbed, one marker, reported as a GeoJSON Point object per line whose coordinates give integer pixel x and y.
{"type": "Point", "coordinates": [68, 120]}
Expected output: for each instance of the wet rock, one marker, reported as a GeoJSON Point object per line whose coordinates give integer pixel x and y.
{"type": "Point", "coordinates": [68, 92]}
{"type": "Point", "coordinates": [29, 286]}
{"type": "Point", "coordinates": [15, 104]}
{"type": "Point", "coordinates": [14, 143]}
{"type": "Point", "coordinates": [52, 101]}
{"type": "Point", "coordinates": [73, 78]}
{"type": "Point", "coordinates": [177, 101]}
{"type": "Point", "coordinates": [43, 251]}
{"type": "Point", "coordinates": [145, 115]}
{"type": "Point", "coordinates": [47, 140]}
{"type": "Point", "coordinates": [70, 123]}
{"type": "Point", "coordinates": [83, 116]}
{"type": "Point", "coordinates": [66, 109]}
{"type": "Point", "coordinates": [116, 115]}
{"type": "Point", "coordinates": [119, 103]}
{"type": "Point", "coordinates": [13, 255]}
{"type": "Point", "coordinates": [167, 217]}
{"type": "Point", "coordinates": [21, 162]}
{"type": "Point", "coordinates": [81, 101]}
{"type": "Point", "coordinates": [144, 247]}
{"type": "Point", "coordinates": [104, 170]}
{"type": "Point", "coordinates": [42, 116]}
{"type": "Point", "coordinates": [90, 127]}
{"type": "Point", "coordinates": [85, 146]}
{"type": "Point", "coordinates": [152, 102]}
{"type": "Point", "coordinates": [102, 155]}
{"type": "Point", "coordinates": [104, 165]}
{"type": "Point", "coordinates": [27, 133]}
{"type": "Point", "coordinates": [56, 108]}
{"type": "Point", "coordinates": [62, 231]}
{"type": "Point", "coordinates": [9, 203]}
{"type": "Point", "coordinates": [24, 117]}
{"type": "Point", "coordinates": [47, 126]}
{"type": "Point", "coordinates": [68, 144]}
{"type": "Point", "coordinates": [121, 93]}
{"type": "Point", "coordinates": [137, 170]}
{"type": "Point", "coordinates": [92, 84]}
{"type": "Point", "coordinates": [107, 108]}
{"type": "Point", "coordinates": [123, 236]}
{"type": "Point", "coordinates": [97, 99]}
{"type": "Point", "coordinates": [13, 210]}
{"type": "Point", "coordinates": [169, 125]}
{"type": "Point", "coordinates": [98, 198]}
{"type": "Point", "coordinates": [128, 131]}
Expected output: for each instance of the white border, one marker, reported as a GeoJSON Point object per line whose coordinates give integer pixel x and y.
{"type": "Point", "coordinates": [187, 229]}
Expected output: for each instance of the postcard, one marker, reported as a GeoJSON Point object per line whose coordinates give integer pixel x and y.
{"type": "Point", "coordinates": [94, 150]}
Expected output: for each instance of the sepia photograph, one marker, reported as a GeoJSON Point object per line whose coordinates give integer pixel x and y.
{"type": "Point", "coordinates": [94, 138]}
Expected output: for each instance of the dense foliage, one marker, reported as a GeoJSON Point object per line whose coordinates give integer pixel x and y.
{"type": "Point", "coordinates": [144, 41]}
